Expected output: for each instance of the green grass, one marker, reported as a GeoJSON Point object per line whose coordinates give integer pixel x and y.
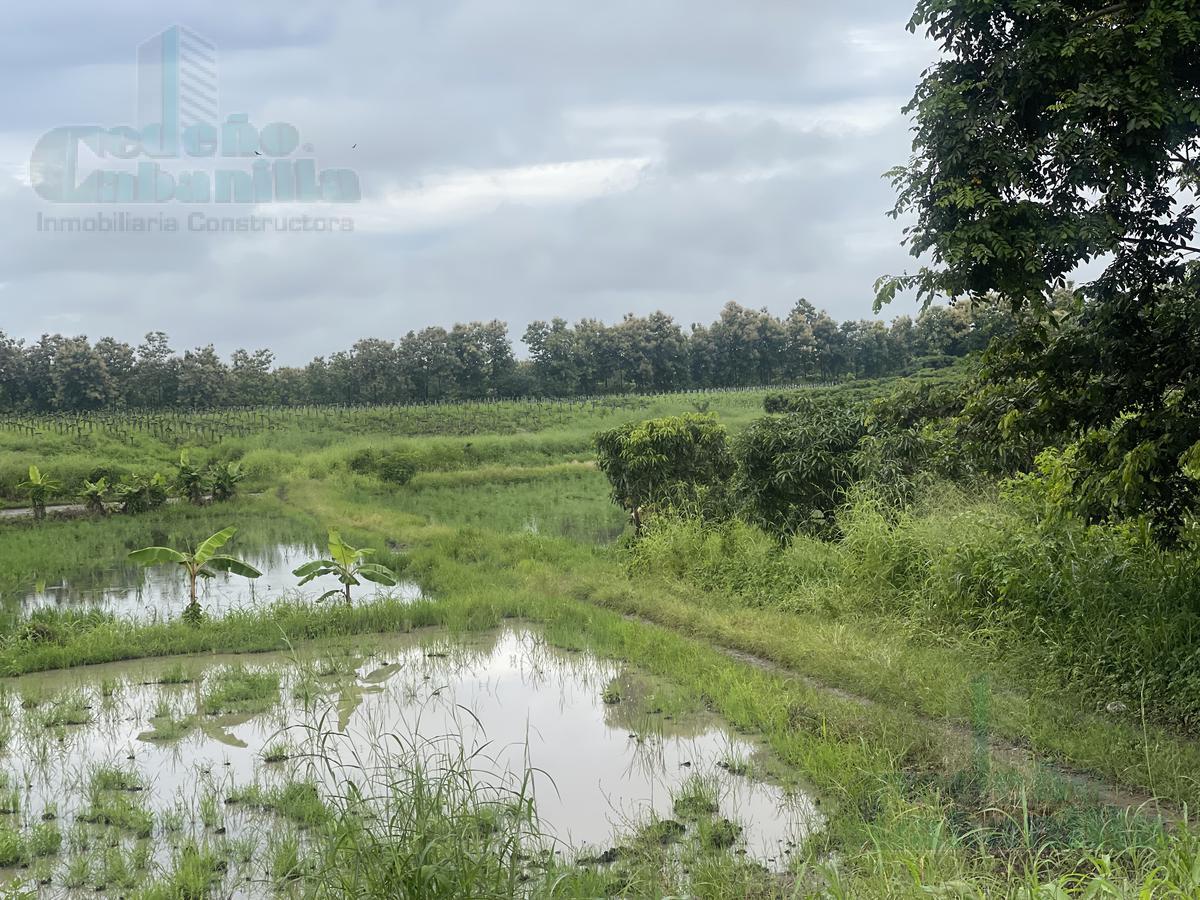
{"type": "Point", "coordinates": [240, 690]}
{"type": "Point", "coordinates": [912, 614]}
{"type": "Point", "coordinates": [298, 801]}
{"type": "Point", "coordinates": [167, 727]}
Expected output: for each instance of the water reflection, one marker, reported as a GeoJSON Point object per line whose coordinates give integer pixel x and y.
{"type": "Point", "coordinates": [158, 593]}
{"type": "Point", "coordinates": [601, 764]}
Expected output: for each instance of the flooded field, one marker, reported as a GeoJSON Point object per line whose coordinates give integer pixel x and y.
{"type": "Point", "coordinates": [111, 775]}
{"type": "Point", "coordinates": [131, 591]}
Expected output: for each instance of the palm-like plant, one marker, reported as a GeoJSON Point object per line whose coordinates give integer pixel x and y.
{"type": "Point", "coordinates": [190, 482]}
{"type": "Point", "coordinates": [349, 564]}
{"type": "Point", "coordinates": [94, 494]}
{"type": "Point", "coordinates": [39, 487]}
{"type": "Point", "coordinates": [204, 562]}
{"type": "Point", "coordinates": [138, 494]}
{"type": "Point", "coordinates": [224, 478]}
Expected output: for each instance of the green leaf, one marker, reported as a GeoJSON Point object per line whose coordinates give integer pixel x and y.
{"type": "Point", "coordinates": [233, 566]}
{"type": "Point", "coordinates": [378, 574]}
{"type": "Point", "coordinates": [315, 567]}
{"type": "Point", "coordinates": [211, 545]}
{"type": "Point", "coordinates": [157, 556]}
{"type": "Point", "coordinates": [341, 551]}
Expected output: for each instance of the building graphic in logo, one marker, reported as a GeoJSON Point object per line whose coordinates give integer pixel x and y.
{"type": "Point", "coordinates": [177, 82]}
{"type": "Point", "coordinates": [183, 150]}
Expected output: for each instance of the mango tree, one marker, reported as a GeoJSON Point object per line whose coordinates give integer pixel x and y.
{"type": "Point", "coordinates": [203, 563]}
{"type": "Point", "coordinates": [349, 564]}
{"type": "Point", "coordinates": [794, 470]}
{"type": "Point", "coordinates": [677, 461]}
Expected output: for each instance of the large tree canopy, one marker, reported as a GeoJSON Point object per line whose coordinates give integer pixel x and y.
{"type": "Point", "coordinates": [1052, 133]}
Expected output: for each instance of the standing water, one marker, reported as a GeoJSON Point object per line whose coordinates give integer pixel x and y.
{"type": "Point", "coordinates": [128, 590]}
{"type": "Point", "coordinates": [606, 750]}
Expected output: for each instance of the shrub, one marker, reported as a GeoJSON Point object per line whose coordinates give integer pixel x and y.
{"type": "Point", "coordinates": [266, 462]}
{"type": "Point", "coordinates": [364, 461]}
{"type": "Point", "coordinates": [740, 559]}
{"type": "Point", "coordinates": [138, 494]}
{"type": "Point", "coordinates": [673, 462]}
{"type": "Point", "coordinates": [94, 494]}
{"type": "Point", "coordinates": [794, 471]}
{"type": "Point", "coordinates": [396, 467]}
{"type": "Point", "coordinates": [1102, 608]}
{"type": "Point", "coordinates": [190, 481]}
{"type": "Point", "coordinates": [392, 466]}
{"type": "Point", "coordinates": [224, 479]}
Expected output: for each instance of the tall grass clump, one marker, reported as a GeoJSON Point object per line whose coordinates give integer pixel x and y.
{"type": "Point", "coordinates": [424, 824]}
{"type": "Point", "coordinates": [1103, 608]}
{"type": "Point", "coordinates": [741, 559]}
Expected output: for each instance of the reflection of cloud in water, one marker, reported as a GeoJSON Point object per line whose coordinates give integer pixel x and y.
{"type": "Point", "coordinates": [161, 592]}
{"type": "Point", "coordinates": [505, 699]}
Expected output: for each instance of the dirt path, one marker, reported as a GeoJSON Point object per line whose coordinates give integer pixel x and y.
{"type": "Point", "coordinates": [1004, 751]}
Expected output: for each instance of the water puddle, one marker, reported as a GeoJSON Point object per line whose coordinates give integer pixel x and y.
{"type": "Point", "coordinates": [198, 743]}
{"type": "Point", "coordinates": [130, 591]}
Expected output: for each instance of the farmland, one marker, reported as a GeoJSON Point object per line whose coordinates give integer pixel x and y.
{"type": "Point", "coordinates": [940, 746]}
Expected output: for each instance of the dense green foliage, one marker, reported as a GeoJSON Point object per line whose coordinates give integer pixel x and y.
{"type": "Point", "coordinates": [1049, 136]}
{"type": "Point", "coordinates": [680, 463]}
{"type": "Point", "coordinates": [744, 347]}
{"type": "Point", "coordinates": [794, 470]}
{"type": "Point", "coordinates": [1110, 393]}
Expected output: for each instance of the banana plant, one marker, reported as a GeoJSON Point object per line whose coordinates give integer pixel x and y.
{"type": "Point", "coordinates": [39, 487]}
{"type": "Point", "coordinates": [349, 564]}
{"type": "Point", "coordinates": [94, 494]}
{"type": "Point", "coordinates": [204, 562]}
{"type": "Point", "coordinates": [190, 481]}
{"type": "Point", "coordinates": [224, 479]}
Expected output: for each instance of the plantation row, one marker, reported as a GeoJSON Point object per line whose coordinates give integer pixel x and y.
{"type": "Point", "coordinates": [210, 426]}
{"type": "Point", "coordinates": [476, 360]}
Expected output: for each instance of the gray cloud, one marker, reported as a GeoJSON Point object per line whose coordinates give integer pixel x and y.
{"type": "Point", "coordinates": [519, 159]}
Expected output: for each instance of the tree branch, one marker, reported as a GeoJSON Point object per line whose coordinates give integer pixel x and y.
{"type": "Point", "coordinates": [1102, 12]}
{"type": "Point", "coordinates": [1181, 248]}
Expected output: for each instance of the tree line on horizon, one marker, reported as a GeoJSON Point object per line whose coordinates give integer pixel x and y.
{"type": "Point", "coordinates": [476, 360]}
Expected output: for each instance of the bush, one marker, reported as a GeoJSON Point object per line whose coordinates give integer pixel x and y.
{"type": "Point", "coordinates": [265, 463]}
{"type": "Point", "coordinates": [392, 466]}
{"type": "Point", "coordinates": [741, 559]}
{"type": "Point", "coordinates": [1101, 608]}
{"type": "Point", "coordinates": [224, 479]}
{"type": "Point", "coordinates": [677, 462]}
{"type": "Point", "coordinates": [364, 461]}
{"type": "Point", "coordinates": [396, 467]}
{"type": "Point", "coordinates": [794, 471]}
{"type": "Point", "coordinates": [139, 494]}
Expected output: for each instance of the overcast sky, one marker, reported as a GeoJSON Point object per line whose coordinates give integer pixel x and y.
{"type": "Point", "coordinates": [518, 159]}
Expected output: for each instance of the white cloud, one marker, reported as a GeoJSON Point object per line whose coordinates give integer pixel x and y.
{"type": "Point", "coordinates": [518, 159]}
